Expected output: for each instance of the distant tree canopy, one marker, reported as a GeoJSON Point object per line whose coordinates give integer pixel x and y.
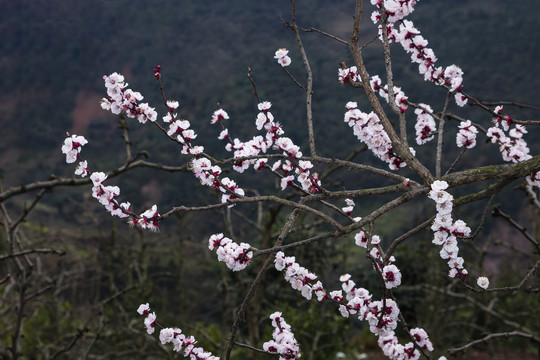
{"type": "Point", "coordinates": [356, 220]}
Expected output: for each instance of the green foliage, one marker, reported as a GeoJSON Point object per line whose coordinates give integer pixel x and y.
{"type": "Point", "coordinates": [54, 55]}
{"type": "Point", "coordinates": [52, 324]}
{"type": "Point", "coordinates": [319, 328]}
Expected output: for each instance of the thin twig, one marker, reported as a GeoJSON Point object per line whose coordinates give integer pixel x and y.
{"type": "Point", "coordinates": [354, 226]}
{"type": "Point", "coordinates": [33, 251]}
{"type": "Point", "coordinates": [59, 181]}
{"type": "Point", "coordinates": [253, 199]}
{"type": "Point", "coordinates": [405, 236]}
{"type": "Point", "coordinates": [481, 306]}
{"type": "Point", "coordinates": [246, 346]}
{"type": "Point", "coordinates": [494, 336]}
{"type": "Point", "coordinates": [125, 135]}
{"type": "Point", "coordinates": [76, 338]}
{"type": "Point", "coordinates": [456, 161]}
{"type": "Point", "coordinates": [258, 279]}
{"type": "Point", "coordinates": [497, 212]}
{"type": "Point", "coordinates": [438, 158]}
{"type": "Point", "coordinates": [13, 227]}
{"type": "Point", "coordinates": [309, 88]}
{"type": "Point", "coordinates": [511, 103]}
{"type": "Point", "coordinates": [333, 37]}
{"type": "Point", "coordinates": [297, 83]}
{"type": "Point", "coordinates": [253, 84]}
{"type": "Point", "coordinates": [532, 195]}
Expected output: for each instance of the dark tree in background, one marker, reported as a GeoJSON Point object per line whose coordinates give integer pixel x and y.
{"type": "Point", "coordinates": [410, 229]}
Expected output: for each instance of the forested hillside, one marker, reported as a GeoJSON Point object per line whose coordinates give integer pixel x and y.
{"type": "Point", "coordinates": [53, 56]}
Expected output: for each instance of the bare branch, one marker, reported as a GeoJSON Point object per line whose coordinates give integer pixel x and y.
{"type": "Point", "coordinates": [532, 195]}
{"type": "Point", "coordinates": [125, 135]}
{"type": "Point", "coordinates": [405, 236]}
{"type": "Point", "coordinates": [13, 227]}
{"type": "Point", "coordinates": [33, 251]}
{"type": "Point", "coordinates": [253, 199]}
{"type": "Point", "coordinates": [252, 348]}
{"type": "Point", "coordinates": [401, 148]}
{"type": "Point", "coordinates": [58, 181]}
{"type": "Point", "coordinates": [258, 279]}
{"type": "Point", "coordinates": [511, 103]}
{"type": "Point", "coordinates": [438, 158]}
{"type": "Point", "coordinates": [309, 88]}
{"type": "Point", "coordinates": [333, 37]}
{"type": "Point", "coordinates": [497, 212]}
{"type": "Point", "coordinates": [80, 333]}
{"type": "Point", "coordinates": [482, 307]}
{"type": "Point", "coordinates": [494, 336]}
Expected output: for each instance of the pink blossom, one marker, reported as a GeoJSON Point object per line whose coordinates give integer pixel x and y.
{"type": "Point", "coordinates": [391, 276]}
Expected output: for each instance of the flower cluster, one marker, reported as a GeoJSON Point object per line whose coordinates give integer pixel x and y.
{"type": "Point", "coordinates": [299, 277]}
{"type": "Point", "coordinates": [245, 152]}
{"type": "Point", "coordinates": [180, 341]}
{"type": "Point", "coordinates": [282, 58]}
{"type": "Point", "coordinates": [416, 45]}
{"type": "Point", "coordinates": [121, 99]}
{"type": "Point", "coordinates": [466, 136]}
{"type": "Point", "coordinates": [395, 9]}
{"type": "Point", "coordinates": [512, 145]}
{"type": "Point", "coordinates": [400, 99]}
{"type": "Point", "coordinates": [308, 181]}
{"type": "Point", "coordinates": [150, 320]}
{"type": "Point", "coordinates": [218, 116]}
{"type": "Point", "coordinates": [357, 299]}
{"type": "Point", "coordinates": [249, 153]}
{"type": "Point", "coordinates": [284, 344]}
{"type": "Point", "coordinates": [382, 318]}
{"type": "Point", "coordinates": [106, 195]}
{"type": "Point", "coordinates": [453, 76]}
{"type": "Point", "coordinates": [350, 206]}
{"type": "Point", "coordinates": [72, 147]}
{"type": "Point", "coordinates": [390, 273]}
{"type": "Point", "coordinates": [369, 130]}
{"type": "Point", "coordinates": [446, 231]}
{"type": "Point", "coordinates": [209, 174]}
{"type": "Point", "coordinates": [235, 256]}
{"type": "Point", "coordinates": [348, 74]}
{"type": "Point", "coordinates": [274, 137]}
{"type": "Point", "coordinates": [203, 169]}
{"type": "Point", "coordinates": [180, 131]}
{"type": "Point", "coordinates": [146, 220]}
{"type": "Point", "coordinates": [381, 315]}
{"type": "Point", "coordinates": [425, 124]}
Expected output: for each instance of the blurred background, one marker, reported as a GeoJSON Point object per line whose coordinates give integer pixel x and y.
{"type": "Point", "coordinates": [53, 55]}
